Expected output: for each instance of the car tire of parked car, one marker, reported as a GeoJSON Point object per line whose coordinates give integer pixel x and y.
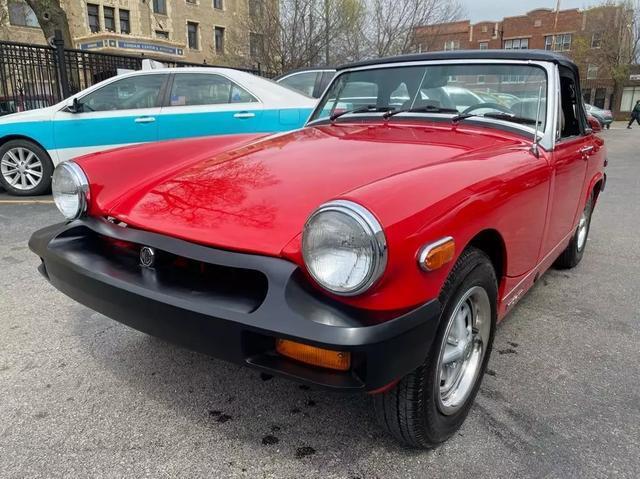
{"type": "Point", "coordinates": [25, 168]}
{"type": "Point", "coordinates": [574, 251]}
{"type": "Point", "coordinates": [414, 411]}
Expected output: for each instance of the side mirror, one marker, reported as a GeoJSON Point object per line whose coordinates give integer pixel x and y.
{"type": "Point", "coordinates": [73, 105]}
{"type": "Point", "coordinates": [594, 124]}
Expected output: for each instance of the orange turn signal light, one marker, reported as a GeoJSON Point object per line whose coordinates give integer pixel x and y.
{"type": "Point", "coordinates": [324, 358]}
{"type": "Point", "coordinates": [436, 255]}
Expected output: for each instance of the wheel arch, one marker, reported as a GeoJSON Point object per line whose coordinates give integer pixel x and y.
{"type": "Point", "coordinates": [492, 243]}
{"type": "Point", "coordinates": [17, 136]}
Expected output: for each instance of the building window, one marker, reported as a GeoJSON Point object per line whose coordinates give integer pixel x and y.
{"type": "Point", "coordinates": [484, 45]}
{"type": "Point", "coordinates": [514, 79]}
{"type": "Point", "coordinates": [109, 19]}
{"type": "Point", "coordinates": [193, 2]}
{"type": "Point", "coordinates": [255, 8]}
{"type": "Point", "coordinates": [162, 34]}
{"type": "Point", "coordinates": [192, 35]}
{"type": "Point", "coordinates": [218, 4]}
{"type": "Point", "coordinates": [160, 6]}
{"type": "Point", "coordinates": [485, 29]}
{"type": "Point", "coordinates": [558, 43]}
{"type": "Point", "coordinates": [481, 79]}
{"type": "Point", "coordinates": [596, 40]}
{"type": "Point", "coordinates": [218, 40]}
{"type": "Point", "coordinates": [537, 23]}
{"type": "Point", "coordinates": [94, 17]}
{"type": "Point", "coordinates": [516, 44]}
{"type": "Point", "coordinates": [21, 15]}
{"type": "Point", "coordinates": [450, 45]}
{"type": "Point", "coordinates": [125, 24]}
{"type": "Point", "coordinates": [256, 45]}
{"type": "Point", "coordinates": [592, 72]}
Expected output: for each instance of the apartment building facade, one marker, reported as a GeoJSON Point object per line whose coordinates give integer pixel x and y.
{"type": "Point", "coordinates": [199, 31]}
{"type": "Point", "coordinates": [584, 35]}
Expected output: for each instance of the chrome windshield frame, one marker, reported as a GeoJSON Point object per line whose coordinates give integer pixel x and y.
{"type": "Point", "coordinates": [546, 137]}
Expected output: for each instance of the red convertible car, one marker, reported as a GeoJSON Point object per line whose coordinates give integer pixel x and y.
{"type": "Point", "coordinates": [373, 250]}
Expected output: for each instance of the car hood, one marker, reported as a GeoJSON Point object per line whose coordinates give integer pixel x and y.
{"type": "Point", "coordinates": [256, 195]}
{"type": "Point", "coordinates": [39, 114]}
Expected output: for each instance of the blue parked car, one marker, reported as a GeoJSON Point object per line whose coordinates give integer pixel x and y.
{"type": "Point", "coordinates": [141, 107]}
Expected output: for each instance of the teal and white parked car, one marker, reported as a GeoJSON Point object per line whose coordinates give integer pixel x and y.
{"type": "Point", "coordinates": [142, 107]}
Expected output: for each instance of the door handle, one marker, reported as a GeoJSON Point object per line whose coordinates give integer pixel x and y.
{"type": "Point", "coordinates": [244, 114]}
{"type": "Point", "coordinates": [586, 149]}
{"type": "Point", "coordinates": [145, 119]}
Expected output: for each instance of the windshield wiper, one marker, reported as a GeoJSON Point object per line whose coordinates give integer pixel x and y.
{"type": "Point", "coordinates": [497, 116]}
{"type": "Point", "coordinates": [362, 109]}
{"type": "Point", "coordinates": [420, 109]}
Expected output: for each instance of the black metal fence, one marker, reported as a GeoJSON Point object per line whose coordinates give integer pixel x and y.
{"type": "Point", "coordinates": [35, 76]}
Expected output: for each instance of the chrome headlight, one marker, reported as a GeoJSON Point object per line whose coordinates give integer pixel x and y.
{"type": "Point", "coordinates": [344, 247]}
{"type": "Point", "coordinates": [70, 189]}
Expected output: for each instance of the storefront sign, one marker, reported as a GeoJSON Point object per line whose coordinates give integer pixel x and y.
{"type": "Point", "coordinates": [634, 77]}
{"type": "Point", "coordinates": [132, 45]}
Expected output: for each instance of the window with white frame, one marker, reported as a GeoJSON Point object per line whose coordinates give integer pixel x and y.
{"type": "Point", "coordinates": [516, 44]}
{"type": "Point", "coordinates": [484, 45]}
{"type": "Point", "coordinates": [558, 43]}
{"type": "Point", "coordinates": [592, 71]}
{"type": "Point", "coordinates": [451, 45]}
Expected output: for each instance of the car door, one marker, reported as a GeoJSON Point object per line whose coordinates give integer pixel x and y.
{"type": "Point", "coordinates": [303, 82]}
{"type": "Point", "coordinates": [574, 146]}
{"type": "Point", "coordinates": [122, 112]}
{"type": "Point", "coordinates": [203, 104]}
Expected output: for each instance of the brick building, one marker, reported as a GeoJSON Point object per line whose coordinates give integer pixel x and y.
{"type": "Point", "coordinates": [587, 36]}
{"type": "Point", "coordinates": [215, 31]}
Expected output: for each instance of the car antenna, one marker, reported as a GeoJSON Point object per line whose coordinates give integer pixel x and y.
{"type": "Point", "coordinates": [534, 148]}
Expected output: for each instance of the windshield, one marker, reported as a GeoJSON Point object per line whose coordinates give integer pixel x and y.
{"type": "Point", "coordinates": [498, 90]}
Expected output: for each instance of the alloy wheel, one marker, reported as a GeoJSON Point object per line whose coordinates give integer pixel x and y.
{"type": "Point", "coordinates": [463, 349]}
{"type": "Point", "coordinates": [21, 168]}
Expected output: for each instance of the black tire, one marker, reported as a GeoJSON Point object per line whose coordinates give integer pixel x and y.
{"type": "Point", "coordinates": [409, 411]}
{"type": "Point", "coordinates": [608, 126]}
{"type": "Point", "coordinates": [572, 255]}
{"type": "Point", "coordinates": [43, 185]}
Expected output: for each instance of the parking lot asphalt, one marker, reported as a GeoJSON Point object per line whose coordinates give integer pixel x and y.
{"type": "Point", "coordinates": [84, 396]}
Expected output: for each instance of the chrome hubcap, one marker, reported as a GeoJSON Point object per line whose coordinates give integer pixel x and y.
{"type": "Point", "coordinates": [582, 230]}
{"type": "Point", "coordinates": [463, 349]}
{"type": "Point", "coordinates": [21, 168]}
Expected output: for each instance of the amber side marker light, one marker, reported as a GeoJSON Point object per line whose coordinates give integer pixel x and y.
{"type": "Point", "coordinates": [324, 358]}
{"type": "Point", "coordinates": [436, 255]}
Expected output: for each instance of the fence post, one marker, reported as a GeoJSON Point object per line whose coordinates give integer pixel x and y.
{"type": "Point", "coordinates": [58, 44]}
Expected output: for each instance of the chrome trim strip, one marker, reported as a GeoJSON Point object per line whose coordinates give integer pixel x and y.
{"type": "Point", "coordinates": [426, 249]}
{"type": "Point", "coordinates": [370, 225]}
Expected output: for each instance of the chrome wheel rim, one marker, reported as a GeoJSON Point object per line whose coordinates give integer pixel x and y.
{"type": "Point", "coordinates": [21, 168]}
{"type": "Point", "coordinates": [462, 351]}
{"type": "Point", "coordinates": [583, 227]}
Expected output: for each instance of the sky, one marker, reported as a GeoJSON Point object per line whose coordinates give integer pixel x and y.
{"type": "Point", "coordinates": [480, 10]}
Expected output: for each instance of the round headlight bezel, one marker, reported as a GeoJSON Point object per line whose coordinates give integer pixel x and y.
{"type": "Point", "coordinates": [371, 226]}
{"type": "Point", "coordinates": [82, 186]}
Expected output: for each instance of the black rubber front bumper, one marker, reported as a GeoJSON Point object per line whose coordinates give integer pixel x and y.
{"type": "Point", "coordinates": [229, 305]}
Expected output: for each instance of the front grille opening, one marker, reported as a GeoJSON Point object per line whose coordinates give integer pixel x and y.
{"type": "Point", "coordinates": [237, 289]}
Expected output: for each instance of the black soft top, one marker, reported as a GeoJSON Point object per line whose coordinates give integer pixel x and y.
{"type": "Point", "coordinates": [534, 55]}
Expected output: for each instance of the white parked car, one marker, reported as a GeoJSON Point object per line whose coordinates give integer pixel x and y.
{"type": "Point", "coordinates": [141, 107]}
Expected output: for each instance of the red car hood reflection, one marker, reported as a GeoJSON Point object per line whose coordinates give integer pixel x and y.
{"type": "Point", "coordinates": [257, 197]}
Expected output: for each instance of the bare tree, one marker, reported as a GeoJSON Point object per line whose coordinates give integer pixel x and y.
{"type": "Point", "coordinates": [391, 25]}
{"type": "Point", "coordinates": [51, 17]}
